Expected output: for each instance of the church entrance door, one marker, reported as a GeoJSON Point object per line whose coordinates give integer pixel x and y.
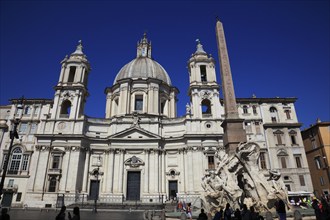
{"type": "Point", "coordinates": [172, 188]}
{"type": "Point", "coordinates": [133, 185]}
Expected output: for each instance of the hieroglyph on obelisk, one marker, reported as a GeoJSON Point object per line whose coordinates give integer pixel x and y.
{"type": "Point", "coordinates": [234, 132]}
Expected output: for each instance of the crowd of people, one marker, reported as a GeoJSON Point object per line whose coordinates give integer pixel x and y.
{"type": "Point", "coordinates": [321, 208]}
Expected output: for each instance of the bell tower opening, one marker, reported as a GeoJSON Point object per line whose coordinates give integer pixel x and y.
{"type": "Point", "coordinates": [72, 73]}
{"type": "Point", "coordinates": [65, 109]}
{"type": "Point", "coordinates": [203, 73]}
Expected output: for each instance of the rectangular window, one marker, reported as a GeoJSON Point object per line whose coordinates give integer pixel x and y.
{"type": "Point", "coordinates": [33, 128]}
{"type": "Point", "coordinates": [293, 139]}
{"type": "Point", "coordinates": [15, 164]}
{"type": "Point", "coordinates": [321, 181]}
{"type": "Point", "coordinates": [52, 184]}
{"type": "Point", "coordinates": [283, 162]}
{"type": "Point", "coordinates": [254, 109]}
{"type": "Point", "coordinates": [302, 180]}
{"type": "Point", "coordinates": [36, 110]}
{"type": "Point", "coordinates": [273, 119]}
{"type": "Point", "coordinates": [203, 73]}
{"type": "Point", "coordinates": [139, 102]}
{"type": "Point", "coordinates": [72, 74]}
{"type": "Point", "coordinates": [262, 161]}
{"type": "Point", "coordinates": [314, 146]}
{"type": "Point", "coordinates": [11, 183]}
{"type": "Point", "coordinates": [298, 162]}
{"type": "Point", "coordinates": [25, 162]}
{"type": "Point", "coordinates": [27, 110]}
{"type": "Point", "coordinates": [287, 113]}
{"type": "Point", "coordinates": [56, 162]}
{"type": "Point", "coordinates": [279, 139]}
{"type": "Point", "coordinates": [210, 160]}
{"type": "Point", "coordinates": [248, 127]}
{"type": "Point", "coordinates": [257, 124]}
{"type": "Point", "coordinates": [23, 128]}
{"type": "Point", "coordinates": [19, 197]}
{"type": "Point", "coordinates": [318, 162]}
{"type": "Point", "coordinates": [288, 187]}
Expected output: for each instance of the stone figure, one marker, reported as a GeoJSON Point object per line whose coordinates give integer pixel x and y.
{"type": "Point", "coordinates": [238, 180]}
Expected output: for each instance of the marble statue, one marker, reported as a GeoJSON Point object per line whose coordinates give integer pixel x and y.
{"type": "Point", "coordinates": [237, 180]}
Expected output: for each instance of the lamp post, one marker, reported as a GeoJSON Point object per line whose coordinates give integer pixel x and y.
{"type": "Point", "coordinates": [12, 134]}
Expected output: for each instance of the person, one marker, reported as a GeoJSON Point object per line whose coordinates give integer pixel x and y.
{"type": "Point", "coordinates": [61, 215]}
{"type": "Point", "coordinates": [218, 215]}
{"type": "Point", "coordinates": [317, 209]}
{"type": "Point", "coordinates": [4, 214]}
{"type": "Point", "coordinates": [189, 211]}
{"type": "Point", "coordinates": [280, 209]}
{"type": "Point", "coordinates": [228, 212]}
{"type": "Point", "coordinates": [76, 214]}
{"type": "Point", "coordinates": [179, 206]}
{"type": "Point", "coordinates": [253, 214]}
{"type": "Point", "coordinates": [237, 214]}
{"type": "Point", "coordinates": [202, 215]}
{"type": "Point", "coordinates": [246, 214]}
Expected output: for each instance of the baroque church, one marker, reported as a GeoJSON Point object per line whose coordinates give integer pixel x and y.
{"type": "Point", "coordinates": [140, 151]}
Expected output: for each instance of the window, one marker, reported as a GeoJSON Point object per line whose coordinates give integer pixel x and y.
{"type": "Point", "coordinates": [25, 162]}
{"type": "Point", "coordinates": [203, 73]}
{"type": "Point", "coordinates": [262, 159]}
{"type": "Point", "coordinates": [33, 128]}
{"type": "Point", "coordinates": [248, 128]}
{"type": "Point", "coordinates": [19, 161]}
{"type": "Point", "coordinates": [138, 103]}
{"type": "Point", "coordinates": [245, 109]}
{"type": "Point", "coordinates": [27, 110]}
{"type": "Point", "coordinates": [318, 162]}
{"type": "Point", "coordinates": [298, 161]}
{"type": "Point", "coordinates": [162, 106]}
{"type": "Point", "coordinates": [210, 160]}
{"type": "Point", "coordinates": [287, 113]}
{"type": "Point", "coordinates": [283, 162]}
{"type": "Point", "coordinates": [11, 183]}
{"type": "Point", "coordinates": [293, 135]}
{"type": "Point", "coordinates": [293, 139]}
{"type": "Point", "coordinates": [15, 161]}
{"type": "Point", "coordinates": [36, 110]}
{"type": "Point", "coordinates": [321, 181]}
{"type": "Point", "coordinates": [206, 106]}
{"type": "Point", "coordinates": [257, 124]}
{"type": "Point", "coordinates": [314, 144]}
{"type": "Point", "coordinates": [288, 187]}
{"type": "Point", "coordinates": [56, 162]}
{"type": "Point", "coordinates": [72, 74]}
{"type": "Point", "coordinates": [23, 128]}
{"type": "Point", "coordinates": [254, 109]}
{"type": "Point", "coordinates": [302, 180]}
{"type": "Point", "coordinates": [52, 184]}
{"type": "Point", "coordinates": [273, 114]}
{"type": "Point", "coordinates": [278, 136]}
{"type": "Point", "coordinates": [65, 108]}
{"type": "Point", "coordinates": [19, 197]}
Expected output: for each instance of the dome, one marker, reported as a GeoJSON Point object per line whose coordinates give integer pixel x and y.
{"type": "Point", "coordinates": [143, 67]}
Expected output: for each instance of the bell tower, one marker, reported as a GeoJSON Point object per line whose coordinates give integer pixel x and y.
{"type": "Point", "coordinates": [71, 89]}
{"type": "Point", "coordinates": [203, 86]}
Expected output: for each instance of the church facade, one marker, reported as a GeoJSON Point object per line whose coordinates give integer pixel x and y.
{"type": "Point", "coordinates": [140, 151]}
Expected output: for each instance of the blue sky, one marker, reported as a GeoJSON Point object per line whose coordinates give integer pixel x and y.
{"type": "Point", "coordinates": [276, 48]}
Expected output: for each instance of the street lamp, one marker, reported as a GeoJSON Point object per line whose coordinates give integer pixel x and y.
{"type": "Point", "coordinates": [12, 134]}
{"type": "Point", "coordinates": [96, 173]}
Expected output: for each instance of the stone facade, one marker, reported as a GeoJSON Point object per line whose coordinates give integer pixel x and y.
{"type": "Point", "coordinates": [141, 150]}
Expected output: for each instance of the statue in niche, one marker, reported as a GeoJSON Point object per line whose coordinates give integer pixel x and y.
{"type": "Point", "coordinates": [188, 109]}
{"type": "Point", "coordinates": [238, 180]}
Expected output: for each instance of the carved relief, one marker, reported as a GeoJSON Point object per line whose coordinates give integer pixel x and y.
{"type": "Point", "coordinates": [134, 162]}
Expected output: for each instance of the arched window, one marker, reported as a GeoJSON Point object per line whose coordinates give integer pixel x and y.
{"type": "Point", "coordinates": [65, 108]}
{"type": "Point", "coordinates": [273, 114]}
{"type": "Point", "coordinates": [52, 184]}
{"type": "Point", "coordinates": [245, 109]}
{"type": "Point", "coordinates": [206, 107]}
{"type": "Point", "coordinates": [18, 162]}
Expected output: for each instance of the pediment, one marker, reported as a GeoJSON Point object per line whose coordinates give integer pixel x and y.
{"type": "Point", "coordinates": [135, 133]}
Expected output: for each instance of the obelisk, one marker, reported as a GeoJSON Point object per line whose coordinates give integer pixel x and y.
{"type": "Point", "coordinates": [234, 132]}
